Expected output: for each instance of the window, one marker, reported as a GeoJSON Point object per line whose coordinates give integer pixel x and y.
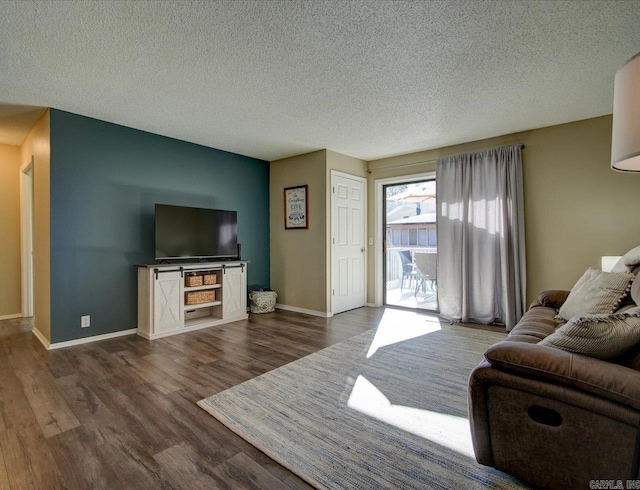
{"type": "Point", "coordinates": [405, 237]}
{"type": "Point", "coordinates": [422, 237]}
{"type": "Point", "coordinates": [396, 237]}
{"type": "Point", "coordinates": [413, 236]}
{"type": "Point", "coordinates": [433, 237]}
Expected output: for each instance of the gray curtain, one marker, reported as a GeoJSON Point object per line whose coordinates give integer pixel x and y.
{"type": "Point", "coordinates": [481, 252]}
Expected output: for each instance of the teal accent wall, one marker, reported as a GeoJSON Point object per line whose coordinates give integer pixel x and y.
{"type": "Point", "coordinates": [105, 181]}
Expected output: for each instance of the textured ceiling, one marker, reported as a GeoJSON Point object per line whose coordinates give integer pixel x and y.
{"type": "Point", "coordinates": [271, 79]}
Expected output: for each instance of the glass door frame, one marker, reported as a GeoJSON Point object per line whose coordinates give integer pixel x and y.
{"type": "Point", "coordinates": [380, 228]}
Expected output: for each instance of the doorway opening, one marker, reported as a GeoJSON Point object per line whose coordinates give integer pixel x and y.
{"type": "Point", "coordinates": [26, 236]}
{"type": "Point", "coordinates": [411, 245]}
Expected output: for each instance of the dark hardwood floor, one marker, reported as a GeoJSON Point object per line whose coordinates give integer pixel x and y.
{"type": "Point", "coordinates": [122, 413]}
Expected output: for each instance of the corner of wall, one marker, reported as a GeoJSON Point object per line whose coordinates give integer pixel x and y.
{"type": "Point", "coordinates": [298, 257]}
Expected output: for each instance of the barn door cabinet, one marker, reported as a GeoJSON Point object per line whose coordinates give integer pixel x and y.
{"type": "Point", "coordinates": [173, 298]}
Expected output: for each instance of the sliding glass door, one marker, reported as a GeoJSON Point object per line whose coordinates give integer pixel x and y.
{"type": "Point", "coordinates": [410, 238]}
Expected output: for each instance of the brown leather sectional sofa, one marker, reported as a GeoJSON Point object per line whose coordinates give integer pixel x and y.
{"type": "Point", "coordinates": [553, 418]}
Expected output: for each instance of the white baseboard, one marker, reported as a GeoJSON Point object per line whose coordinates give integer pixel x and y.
{"type": "Point", "coordinates": [41, 338]}
{"type": "Point", "coordinates": [371, 305]}
{"type": "Point", "coordinates": [11, 317]}
{"type": "Point", "coordinates": [182, 330]}
{"type": "Point", "coordinates": [85, 340]}
{"type": "Point", "coordinates": [323, 314]}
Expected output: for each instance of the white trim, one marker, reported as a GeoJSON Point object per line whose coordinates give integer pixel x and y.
{"type": "Point", "coordinates": [365, 239]}
{"type": "Point", "coordinates": [378, 242]}
{"type": "Point", "coordinates": [323, 314]}
{"type": "Point", "coordinates": [11, 317]}
{"type": "Point", "coordinates": [43, 340]}
{"type": "Point", "coordinates": [371, 305]}
{"type": "Point", "coordinates": [26, 236]}
{"type": "Point", "coordinates": [348, 176]}
{"type": "Point", "coordinates": [182, 330]}
{"type": "Point", "coordinates": [85, 340]}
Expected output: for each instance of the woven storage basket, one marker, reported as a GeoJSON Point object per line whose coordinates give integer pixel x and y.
{"type": "Point", "coordinates": [193, 281]}
{"type": "Point", "coordinates": [262, 301]}
{"type": "Point", "coordinates": [209, 279]}
{"type": "Point", "coordinates": [199, 297]}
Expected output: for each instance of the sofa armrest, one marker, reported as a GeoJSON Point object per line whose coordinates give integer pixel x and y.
{"type": "Point", "coordinates": [552, 298]}
{"type": "Point", "coordinates": [602, 378]}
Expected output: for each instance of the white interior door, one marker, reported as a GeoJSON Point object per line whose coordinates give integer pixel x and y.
{"type": "Point", "coordinates": [348, 251]}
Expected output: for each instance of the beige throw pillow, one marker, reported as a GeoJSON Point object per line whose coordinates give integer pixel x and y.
{"type": "Point", "coordinates": [601, 336]}
{"type": "Point", "coordinates": [596, 293]}
{"type": "Point", "coordinates": [629, 261]}
{"type": "Point", "coordinates": [632, 257]}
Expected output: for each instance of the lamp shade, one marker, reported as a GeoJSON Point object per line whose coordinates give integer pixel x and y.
{"type": "Point", "coordinates": [625, 144]}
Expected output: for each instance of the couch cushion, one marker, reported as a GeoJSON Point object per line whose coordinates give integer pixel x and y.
{"type": "Point", "coordinates": [602, 378]}
{"type": "Point", "coordinates": [553, 298]}
{"type": "Point", "coordinates": [600, 336]}
{"type": "Point", "coordinates": [596, 293]}
{"type": "Point", "coordinates": [632, 358]}
{"type": "Point", "coordinates": [535, 325]}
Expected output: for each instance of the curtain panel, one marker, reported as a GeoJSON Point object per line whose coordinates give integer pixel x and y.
{"type": "Point", "coordinates": [481, 249]}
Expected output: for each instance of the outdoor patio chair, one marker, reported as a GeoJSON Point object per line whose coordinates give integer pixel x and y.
{"type": "Point", "coordinates": [407, 267]}
{"type": "Point", "coordinates": [426, 271]}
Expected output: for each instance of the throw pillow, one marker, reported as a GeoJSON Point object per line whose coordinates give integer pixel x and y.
{"type": "Point", "coordinates": [632, 257]}
{"type": "Point", "coordinates": [596, 293]}
{"type": "Point", "coordinates": [628, 261]}
{"type": "Point", "coordinates": [620, 267]}
{"type": "Point", "coordinates": [601, 336]}
{"type": "Point", "coordinates": [634, 291]}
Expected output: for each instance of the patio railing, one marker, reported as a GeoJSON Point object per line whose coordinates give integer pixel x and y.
{"type": "Point", "coordinates": [394, 264]}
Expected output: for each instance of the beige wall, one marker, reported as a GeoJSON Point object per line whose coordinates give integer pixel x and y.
{"type": "Point", "coordinates": [346, 164]}
{"type": "Point", "coordinates": [576, 208]}
{"type": "Point", "coordinates": [301, 259]}
{"type": "Point", "coordinates": [38, 145]}
{"type": "Point", "coordinates": [10, 280]}
{"type": "Point", "coordinates": [298, 257]}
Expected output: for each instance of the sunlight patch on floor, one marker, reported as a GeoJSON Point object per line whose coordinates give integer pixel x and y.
{"type": "Point", "coordinates": [443, 429]}
{"type": "Point", "coordinates": [399, 325]}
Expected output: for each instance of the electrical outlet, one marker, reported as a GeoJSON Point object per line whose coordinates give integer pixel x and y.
{"type": "Point", "coordinates": [85, 321]}
{"type": "Point", "coordinates": [370, 240]}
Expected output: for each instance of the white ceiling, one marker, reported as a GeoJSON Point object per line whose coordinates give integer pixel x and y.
{"type": "Point", "coordinates": [271, 79]}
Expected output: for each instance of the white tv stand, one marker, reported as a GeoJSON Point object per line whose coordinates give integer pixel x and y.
{"type": "Point", "coordinates": [162, 304]}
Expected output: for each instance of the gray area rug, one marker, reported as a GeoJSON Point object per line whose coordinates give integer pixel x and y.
{"type": "Point", "coordinates": [384, 409]}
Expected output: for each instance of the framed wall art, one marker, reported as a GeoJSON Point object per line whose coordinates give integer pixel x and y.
{"type": "Point", "coordinates": [296, 207]}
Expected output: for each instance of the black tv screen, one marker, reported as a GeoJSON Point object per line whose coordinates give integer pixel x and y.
{"type": "Point", "coordinates": [185, 233]}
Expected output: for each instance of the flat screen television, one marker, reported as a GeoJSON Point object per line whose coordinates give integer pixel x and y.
{"type": "Point", "coordinates": [195, 233]}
